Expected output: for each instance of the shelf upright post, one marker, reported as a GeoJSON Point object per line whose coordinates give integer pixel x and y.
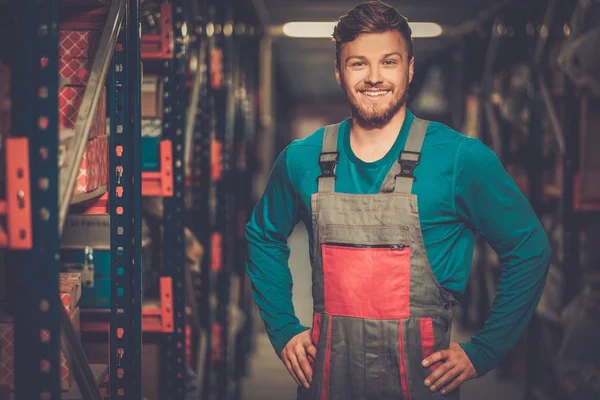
{"type": "Point", "coordinates": [124, 87]}
{"type": "Point", "coordinates": [201, 216]}
{"type": "Point", "coordinates": [173, 351]}
{"type": "Point", "coordinates": [34, 82]}
{"type": "Point", "coordinates": [223, 103]}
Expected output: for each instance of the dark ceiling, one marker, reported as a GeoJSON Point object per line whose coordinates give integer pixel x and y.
{"type": "Point", "coordinates": [306, 65]}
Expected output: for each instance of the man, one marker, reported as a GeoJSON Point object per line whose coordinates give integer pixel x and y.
{"type": "Point", "coordinates": [385, 265]}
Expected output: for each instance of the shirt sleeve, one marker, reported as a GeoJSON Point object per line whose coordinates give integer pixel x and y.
{"type": "Point", "coordinates": [489, 201]}
{"type": "Point", "coordinates": [272, 221]}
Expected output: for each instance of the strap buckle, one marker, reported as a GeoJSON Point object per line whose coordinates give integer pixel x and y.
{"type": "Point", "coordinates": [408, 164]}
{"type": "Point", "coordinates": [328, 166]}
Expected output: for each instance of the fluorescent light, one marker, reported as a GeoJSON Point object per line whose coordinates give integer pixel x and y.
{"type": "Point", "coordinates": [425, 29]}
{"type": "Point", "coordinates": [325, 29]}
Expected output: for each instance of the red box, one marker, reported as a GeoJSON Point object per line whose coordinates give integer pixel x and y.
{"type": "Point", "coordinates": [74, 71]}
{"type": "Point", "coordinates": [78, 43]}
{"type": "Point", "coordinates": [99, 126]}
{"type": "Point", "coordinates": [103, 160]}
{"type": "Point", "coordinates": [87, 179]}
{"type": "Point", "coordinates": [70, 290]}
{"type": "Point", "coordinates": [69, 102]}
{"type": "Point", "coordinates": [7, 337]}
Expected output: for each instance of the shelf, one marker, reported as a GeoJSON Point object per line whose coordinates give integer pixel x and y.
{"type": "Point", "coordinates": [81, 197]}
{"type": "Point", "coordinates": [89, 105]}
{"type": "Point", "coordinates": [160, 47]}
{"type": "Point", "coordinates": [157, 314]}
{"type": "Point", "coordinates": [160, 183]}
{"type": "Point", "coordinates": [100, 373]}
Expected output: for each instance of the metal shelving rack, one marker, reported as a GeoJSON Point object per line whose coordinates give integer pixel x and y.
{"type": "Point", "coordinates": [49, 194]}
{"type": "Point", "coordinates": [214, 139]}
{"type": "Point", "coordinates": [173, 350]}
{"type": "Point", "coordinates": [125, 210]}
{"type": "Point", "coordinates": [35, 126]}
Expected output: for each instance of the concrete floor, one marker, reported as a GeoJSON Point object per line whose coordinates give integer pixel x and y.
{"type": "Point", "coordinates": [268, 379]}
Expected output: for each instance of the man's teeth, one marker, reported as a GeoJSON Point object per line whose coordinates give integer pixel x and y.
{"type": "Point", "coordinates": [375, 94]}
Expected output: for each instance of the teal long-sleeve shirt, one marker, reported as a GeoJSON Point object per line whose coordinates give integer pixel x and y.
{"type": "Point", "coordinates": [462, 188]}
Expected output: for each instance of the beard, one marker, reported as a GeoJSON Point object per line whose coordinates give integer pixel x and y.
{"type": "Point", "coordinates": [375, 114]}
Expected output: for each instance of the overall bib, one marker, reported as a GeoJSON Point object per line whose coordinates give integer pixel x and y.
{"type": "Point", "coordinates": [378, 309]}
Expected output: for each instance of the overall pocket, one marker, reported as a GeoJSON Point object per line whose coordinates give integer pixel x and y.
{"type": "Point", "coordinates": [369, 281]}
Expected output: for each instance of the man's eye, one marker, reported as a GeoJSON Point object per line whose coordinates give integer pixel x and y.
{"type": "Point", "coordinates": [389, 62]}
{"type": "Point", "coordinates": [357, 64]}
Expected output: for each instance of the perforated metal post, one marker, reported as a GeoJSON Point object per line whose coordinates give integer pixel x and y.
{"type": "Point", "coordinates": [224, 105]}
{"type": "Point", "coordinates": [173, 352]}
{"type": "Point", "coordinates": [35, 117]}
{"type": "Point", "coordinates": [200, 214]}
{"type": "Point", "coordinates": [125, 204]}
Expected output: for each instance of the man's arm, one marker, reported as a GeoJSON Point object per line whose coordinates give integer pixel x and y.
{"type": "Point", "coordinates": [487, 198]}
{"type": "Point", "coordinates": [271, 222]}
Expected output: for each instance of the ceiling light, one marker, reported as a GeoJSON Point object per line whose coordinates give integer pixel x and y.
{"type": "Point", "coordinates": [325, 29]}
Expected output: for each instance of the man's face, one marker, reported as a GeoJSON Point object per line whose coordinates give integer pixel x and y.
{"type": "Point", "coordinates": [374, 72]}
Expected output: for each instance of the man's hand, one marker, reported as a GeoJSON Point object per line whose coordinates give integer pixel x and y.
{"type": "Point", "coordinates": [455, 369]}
{"type": "Point", "coordinates": [294, 356]}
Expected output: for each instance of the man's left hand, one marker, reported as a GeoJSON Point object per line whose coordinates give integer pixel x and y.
{"type": "Point", "coordinates": [455, 369]}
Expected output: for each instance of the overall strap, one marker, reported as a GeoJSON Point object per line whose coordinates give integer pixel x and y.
{"type": "Point", "coordinates": [328, 159]}
{"type": "Point", "coordinates": [410, 157]}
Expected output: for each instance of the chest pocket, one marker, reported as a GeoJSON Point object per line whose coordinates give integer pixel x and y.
{"type": "Point", "coordinates": [366, 271]}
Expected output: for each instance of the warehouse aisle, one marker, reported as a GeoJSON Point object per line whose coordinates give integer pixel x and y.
{"type": "Point", "coordinates": [269, 380]}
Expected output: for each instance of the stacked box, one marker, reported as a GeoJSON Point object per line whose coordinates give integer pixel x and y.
{"type": "Point", "coordinates": [70, 292]}
{"type": "Point", "coordinates": [87, 178]}
{"type": "Point", "coordinates": [152, 95]}
{"type": "Point", "coordinates": [89, 234]}
{"type": "Point", "coordinates": [103, 160]}
{"type": "Point", "coordinates": [151, 135]}
{"type": "Point", "coordinates": [69, 102]}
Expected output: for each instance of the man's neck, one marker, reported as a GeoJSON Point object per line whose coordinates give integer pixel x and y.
{"type": "Point", "coordinates": [371, 143]}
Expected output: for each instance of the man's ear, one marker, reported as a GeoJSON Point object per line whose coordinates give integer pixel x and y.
{"type": "Point", "coordinates": [411, 69]}
{"type": "Point", "coordinates": [338, 76]}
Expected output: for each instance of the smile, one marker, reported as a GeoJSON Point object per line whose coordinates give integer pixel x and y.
{"type": "Point", "coordinates": [374, 94]}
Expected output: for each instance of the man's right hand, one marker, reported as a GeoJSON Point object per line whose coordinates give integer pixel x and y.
{"type": "Point", "coordinates": [294, 356]}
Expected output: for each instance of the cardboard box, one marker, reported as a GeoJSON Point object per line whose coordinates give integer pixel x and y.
{"type": "Point", "coordinates": [151, 127]}
{"type": "Point", "coordinates": [152, 94]}
{"type": "Point", "coordinates": [86, 230]}
{"type": "Point", "coordinates": [78, 43]}
{"type": "Point", "coordinates": [7, 337]}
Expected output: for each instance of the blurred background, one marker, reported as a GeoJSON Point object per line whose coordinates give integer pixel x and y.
{"type": "Point", "coordinates": [211, 92]}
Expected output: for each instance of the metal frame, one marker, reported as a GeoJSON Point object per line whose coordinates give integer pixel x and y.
{"type": "Point", "coordinates": [124, 207]}
{"type": "Point", "coordinates": [173, 350]}
{"type": "Point", "coordinates": [35, 118]}
{"type": "Point", "coordinates": [200, 218]}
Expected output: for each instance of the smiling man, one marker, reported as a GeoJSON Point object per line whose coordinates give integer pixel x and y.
{"type": "Point", "coordinates": [392, 205]}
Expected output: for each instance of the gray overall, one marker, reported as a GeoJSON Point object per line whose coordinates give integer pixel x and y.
{"type": "Point", "coordinates": [378, 309]}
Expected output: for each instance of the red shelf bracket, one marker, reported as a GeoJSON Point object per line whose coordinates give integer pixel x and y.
{"type": "Point", "coordinates": [17, 206]}
{"type": "Point", "coordinates": [160, 47]}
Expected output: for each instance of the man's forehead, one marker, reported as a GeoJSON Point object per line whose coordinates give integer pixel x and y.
{"type": "Point", "coordinates": [375, 45]}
